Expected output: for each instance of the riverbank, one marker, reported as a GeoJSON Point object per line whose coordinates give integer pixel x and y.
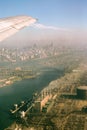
{"type": "Point", "coordinates": [23, 91]}
{"type": "Point", "coordinates": [13, 79]}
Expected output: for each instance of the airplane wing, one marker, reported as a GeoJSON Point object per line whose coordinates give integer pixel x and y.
{"type": "Point", "coordinates": [11, 25]}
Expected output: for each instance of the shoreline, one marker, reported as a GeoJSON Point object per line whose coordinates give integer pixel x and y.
{"type": "Point", "coordinates": [13, 79]}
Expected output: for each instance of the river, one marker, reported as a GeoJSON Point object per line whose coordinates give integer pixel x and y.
{"type": "Point", "coordinates": [22, 90]}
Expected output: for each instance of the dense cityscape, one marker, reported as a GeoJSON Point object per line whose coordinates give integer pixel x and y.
{"type": "Point", "coordinates": [43, 65]}
{"type": "Point", "coordinates": [27, 53]}
{"type": "Point", "coordinates": [59, 99]}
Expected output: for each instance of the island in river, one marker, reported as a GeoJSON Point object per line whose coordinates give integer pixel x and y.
{"type": "Point", "coordinates": [17, 75]}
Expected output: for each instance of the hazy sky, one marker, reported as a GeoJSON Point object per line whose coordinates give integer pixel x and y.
{"type": "Point", "coordinates": [58, 19]}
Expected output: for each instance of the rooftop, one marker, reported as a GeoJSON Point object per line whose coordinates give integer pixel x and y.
{"type": "Point", "coordinates": [82, 88]}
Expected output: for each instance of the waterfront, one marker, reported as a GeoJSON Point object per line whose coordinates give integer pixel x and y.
{"type": "Point", "coordinates": [22, 90]}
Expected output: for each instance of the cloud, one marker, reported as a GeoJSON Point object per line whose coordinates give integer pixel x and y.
{"type": "Point", "coordinates": [42, 26]}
